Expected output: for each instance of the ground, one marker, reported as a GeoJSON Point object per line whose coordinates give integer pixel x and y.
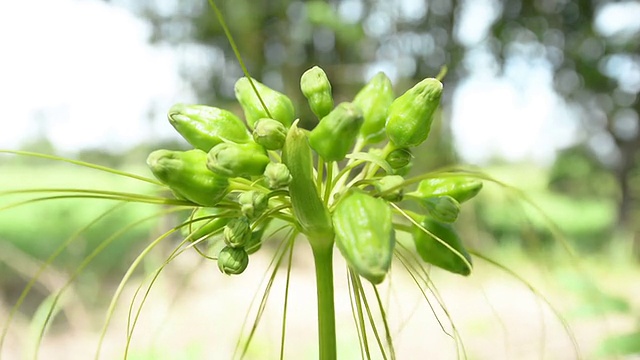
{"type": "Point", "coordinates": [198, 315]}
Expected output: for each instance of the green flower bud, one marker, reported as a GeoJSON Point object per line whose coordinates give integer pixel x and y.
{"type": "Point", "coordinates": [316, 88]}
{"type": "Point", "coordinates": [442, 208]}
{"type": "Point", "coordinates": [309, 210]}
{"type": "Point", "coordinates": [399, 158]}
{"type": "Point", "coordinates": [403, 171]}
{"type": "Point", "coordinates": [186, 174]}
{"type": "Point", "coordinates": [364, 234]}
{"type": "Point", "coordinates": [253, 203]}
{"type": "Point", "coordinates": [237, 232]}
{"type": "Point", "coordinates": [336, 133]}
{"type": "Point", "coordinates": [374, 100]}
{"type": "Point", "coordinates": [269, 133]}
{"type": "Point", "coordinates": [215, 220]}
{"type": "Point", "coordinates": [234, 160]}
{"type": "Point", "coordinates": [411, 114]}
{"type": "Point", "coordinates": [233, 261]}
{"type": "Point", "coordinates": [461, 188]}
{"type": "Point", "coordinates": [277, 175]}
{"type": "Point", "coordinates": [279, 105]}
{"type": "Point", "coordinates": [388, 182]}
{"type": "Point", "coordinates": [434, 252]}
{"type": "Point", "coordinates": [204, 127]}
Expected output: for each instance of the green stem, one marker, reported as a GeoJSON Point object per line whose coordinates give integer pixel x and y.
{"type": "Point", "coordinates": [323, 258]}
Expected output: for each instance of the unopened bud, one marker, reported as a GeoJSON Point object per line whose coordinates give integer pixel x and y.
{"type": "Point", "coordinates": [336, 133]}
{"type": "Point", "coordinates": [399, 158]}
{"type": "Point", "coordinates": [279, 105]}
{"type": "Point", "coordinates": [269, 133]}
{"type": "Point", "coordinates": [204, 126]}
{"type": "Point", "coordinates": [234, 160]}
{"type": "Point", "coordinates": [411, 114]}
{"type": "Point", "coordinates": [277, 175]}
{"type": "Point", "coordinates": [233, 261]}
{"type": "Point", "coordinates": [374, 100]}
{"type": "Point", "coordinates": [442, 208]}
{"type": "Point", "coordinates": [237, 232]}
{"type": "Point", "coordinates": [390, 182]}
{"type": "Point", "coordinates": [186, 174]}
{"type": "Point", "coordinates": [461, 188]}
{"type": "Point", "coordinates": [316, 88]}
{"type": "Point", "coordinates": [253, 203]}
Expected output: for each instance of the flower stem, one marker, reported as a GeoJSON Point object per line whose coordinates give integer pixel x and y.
{"type": "Point", "coordinates": [323, 258]}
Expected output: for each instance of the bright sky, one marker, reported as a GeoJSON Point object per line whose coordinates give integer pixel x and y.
{"type": "Point", "coordinates": [82, 72]}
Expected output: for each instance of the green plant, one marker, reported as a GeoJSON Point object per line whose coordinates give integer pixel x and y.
{"type": "Point", "coordinates": [332, 202]}
{"type": "Point", "coordinates": [352, 181]}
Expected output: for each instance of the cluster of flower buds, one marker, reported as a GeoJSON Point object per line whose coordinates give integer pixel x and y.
{"type": "Point", "coordinates": [241, 175]}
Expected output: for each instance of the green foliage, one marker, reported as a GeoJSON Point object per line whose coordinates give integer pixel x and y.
{"type": "Point", "coordinates": [621, 345]}
{"type": "Point", "coordinates": [39, 228]}
{"type": "Point", "coordinates": [572, 167]}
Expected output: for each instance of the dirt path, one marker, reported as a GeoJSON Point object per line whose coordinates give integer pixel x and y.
{"type": "Point", "coordinates": [496, 317]}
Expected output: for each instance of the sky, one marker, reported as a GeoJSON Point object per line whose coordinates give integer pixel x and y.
{"type": "Point", "coordinates": [82, 73]}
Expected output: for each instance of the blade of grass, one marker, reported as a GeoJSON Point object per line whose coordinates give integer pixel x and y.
{"type": "Point", "coordinates": [286, 300]}
{"type": "Point", "coordinates": [82, 163]}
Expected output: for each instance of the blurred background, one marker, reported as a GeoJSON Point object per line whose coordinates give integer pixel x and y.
{"type": "Point", "coordinates": [540, 94]}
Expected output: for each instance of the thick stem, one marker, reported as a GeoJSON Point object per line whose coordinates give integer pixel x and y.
{"type": "Point", "coordinates": [323, 258]}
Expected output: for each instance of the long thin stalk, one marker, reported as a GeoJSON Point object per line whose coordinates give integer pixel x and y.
{"type": "Point", "coordinates": [323, 258]}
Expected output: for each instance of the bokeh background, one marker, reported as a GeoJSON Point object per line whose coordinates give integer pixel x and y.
{"type": "Point", "coordinates": [539, 94]}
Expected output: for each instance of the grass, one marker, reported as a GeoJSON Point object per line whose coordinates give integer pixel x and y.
{"type": "Point", "coordinates": [38, 229]}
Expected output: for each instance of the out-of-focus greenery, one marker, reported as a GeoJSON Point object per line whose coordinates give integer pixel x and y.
{"type": "Point", "coordinates": [590, 192]}
{"type": "Point", "coordinates": [587, 221]}
{"type": "Point", "coordinates": [39, 228]}
{"type": "Point", "coordinates": [593, 68]}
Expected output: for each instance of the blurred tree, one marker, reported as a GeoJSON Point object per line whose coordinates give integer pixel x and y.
{"type": "Point", "coordinates": [575, 164]}
{"type": "Point", "coordinates": [595, 68]}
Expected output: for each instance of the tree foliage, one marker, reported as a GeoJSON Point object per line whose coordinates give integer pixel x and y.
{"type": "Point", "coordinates": [596, 69]}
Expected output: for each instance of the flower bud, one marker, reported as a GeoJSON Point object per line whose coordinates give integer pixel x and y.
{"type": "Point", "coordinates": [204, 126]}
{"type": "Point", "coordinates": [403, 171]}
{"type": "Point", "coordinates": [399, 158]}
{"type": "Point", "coordinates": [233, 261]}
{"type": "Point", "coordinates": [461, 188]}
{"type": "Point", "coordinates": [186, 174]}
{"type": "Point", "coordinates": [442, 208]}
{"type": "Point", "coordinates": [411, 114]}
{"type": "Point", "coordinates": [253, 203]}
{"type": "Point", "coordinates": [234, 160]}
{"type": "Point", "coordinates": [336, 133]}
{"type": "Point", "coordinates": [434, 252]}
{"type": "Point", "coordinates": [269, 133]}
{"type": "Point", "coordinates": [364, 234]}
{"type": "Point", "coordinates": [374, 100]}
{"type": "Point", "coordinates": [213, 221]}
{"type": "Point", "coordinates": [277, 175]}
{"type": "Point", "coordinates": [279, 105]}
{"type": "Point", "coordinates": [237, 232]}
{"type": "Point", "coordinates": [388, 182]}
{"type": "Point", "coordinates": [316, 88]}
